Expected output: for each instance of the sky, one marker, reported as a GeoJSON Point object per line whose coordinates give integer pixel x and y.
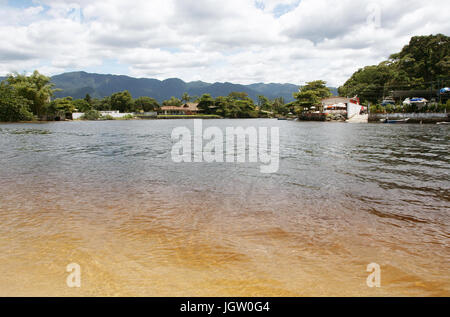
{"type": "Point", "coordinates": [239, 41]}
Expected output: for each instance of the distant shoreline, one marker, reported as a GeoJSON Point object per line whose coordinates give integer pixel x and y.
{"type": "Point", "coordinates": [372, 121]}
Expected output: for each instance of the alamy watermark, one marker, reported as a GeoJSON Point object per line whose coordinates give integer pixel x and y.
{"type": "Point", "coordinates": [74, 278]}
{"type": "Point", "coordinates": [374, 17]}
{"type": "Point", "coordinates": [374, 278]}
{"type": "Point", "coordinates": [229, 147]}
{"type": "Point", "coordinates": [74, 13]}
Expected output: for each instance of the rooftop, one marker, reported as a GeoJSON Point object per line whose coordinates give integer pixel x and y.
{"type": "Point", "coordinates": [190, 106]}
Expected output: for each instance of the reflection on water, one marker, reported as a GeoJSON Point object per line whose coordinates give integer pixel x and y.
{"type": "Point", "coordinates": [107, 196]}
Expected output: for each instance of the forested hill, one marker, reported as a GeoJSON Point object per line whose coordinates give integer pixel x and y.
{"type": "Point", "coordinates": [422, 64]}
{"type": "Point", "coordinates": [78, 84]}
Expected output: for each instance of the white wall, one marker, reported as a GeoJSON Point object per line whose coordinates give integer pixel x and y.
{"type": "Point", "coordinates": [353, 109]}
{"type": "Point", "coordinates": [114, 114]}
{"type": "Point", "coordinates": [77, 115]}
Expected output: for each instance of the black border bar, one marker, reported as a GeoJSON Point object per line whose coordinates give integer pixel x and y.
{"type": "Point", "coordinates": [222, 305]}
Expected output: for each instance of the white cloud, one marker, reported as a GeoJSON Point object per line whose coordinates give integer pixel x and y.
{"type": "Point", "coordinates": [241, 41]}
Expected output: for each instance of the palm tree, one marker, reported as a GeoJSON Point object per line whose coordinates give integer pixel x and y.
{"type": "Point", "coordinates": [186, 98]}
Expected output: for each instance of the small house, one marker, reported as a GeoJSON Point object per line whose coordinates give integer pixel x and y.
{"type": "Point", "coordinates": [188, 108]}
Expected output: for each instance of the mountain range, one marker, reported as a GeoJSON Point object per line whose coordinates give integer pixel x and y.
{"type": "Point", "coordinates": [78, 84]}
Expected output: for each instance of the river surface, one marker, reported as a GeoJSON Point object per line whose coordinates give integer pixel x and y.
{"type": "Point", "coordinates": [107, 196]}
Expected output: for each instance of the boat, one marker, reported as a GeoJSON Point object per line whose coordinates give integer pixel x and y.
{"type": "Point", "coordinates": [443, 122]}
{"type": "Point", "coordinates": [395, 121]}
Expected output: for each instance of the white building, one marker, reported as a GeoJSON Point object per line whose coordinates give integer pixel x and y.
{"type": "Point", "coordinates": [114, 114]}
{"type": "Point", "coordinates": [348, 106]}
{"type": "Point", "coordinates": [77, 115]}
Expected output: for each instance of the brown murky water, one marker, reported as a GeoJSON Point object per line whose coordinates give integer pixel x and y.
{"type": "Point", "coordinates": [107, 196]}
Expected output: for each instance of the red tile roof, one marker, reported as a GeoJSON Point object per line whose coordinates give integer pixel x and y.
{"type": "Point", "coordinates": [190, 106]}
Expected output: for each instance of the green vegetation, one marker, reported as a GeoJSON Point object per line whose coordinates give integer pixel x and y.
{"type": "Point", "coordinates": [108, 117]}
{"type": "Point", "coordinates": [127, 117]}
{"type": "Point", "coordinates": [91, 115]}
{"type": "Point", "coordinates": [235, 105]}
{"type": "Point", "coordinates": [186, 98]}
{"type": "Point", "coordinates": [82, 105]}
{"type": "Point", "coordinates": [145, 104]}
{"type": "Point", "coordinates": [172, 102]}
{"type": "Point", "coordinates": [61, 107]}
{"type": "Point", "coordinates": [13, 107]}
{"type": "Point", "coordinates": [422, 64]}
{"type": "Point", "coordinates": [439, 107]}
{"type": "Point", "coordinates": [28, 96]}
{"type": "Point", "coordinates": [23, 97]}
{"type": "Point", "coordinates": [122, 101]}
{"type": "Point", "coordinates": [311, 94]}
{"type": "Point", "coordinates": [36, 88]}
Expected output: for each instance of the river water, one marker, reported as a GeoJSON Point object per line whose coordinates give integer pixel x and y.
{"type": "Point", "coordinates": [107, 196]}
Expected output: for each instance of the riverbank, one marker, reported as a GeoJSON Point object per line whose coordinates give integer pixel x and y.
{"type": "Point", "coordinates": [188, 117]}
{"type": "Point", "coordinates": [137, 118]}
{"type": "Point", "coordinates": [319, 117]}
{"type": "Point", "coordinates": [313, 117]}
{"type": "Point", "coordinates": [427, 117]}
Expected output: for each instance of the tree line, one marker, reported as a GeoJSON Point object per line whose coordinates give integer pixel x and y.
{"type": "Point", "coordinates": [240, 105]}
{"type": "Point", "coordinates": [27, 98]}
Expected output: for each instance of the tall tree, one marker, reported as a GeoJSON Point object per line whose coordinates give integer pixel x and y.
{"type": "Point", "coordinates": [146, 104]}
{"type": "Point", "coordinates": [122, 101]}
{"type": "Point", "coordinates": [319, 87]}
{"type": "Point", "coordinates": [13, 107]}
{"type": "Point", "coordinates": [206, 104]}
{"type": "Point", "coordinates": [279, 106]}
{"type": "Point", "coordinates": [37, 88]}
{"type": "Point", "coordinates": [61, 107]}
{"type": "Point", "coordinates": [88, 99]}
{"type": "Point", "coordinates": [172, 102]}
{"type": "Point", "coordinates": [239, 95]}
{"type": "Point", "coordinates": [311, 94]}
{"type": "Point", "coordinates": [82, 105]}
{"type": "Point", "coordinates": [264, 103]}
{"type": "Point", "coordinates": [186, 98]}
{"type": "Point", "coordinates": [103, 104]}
